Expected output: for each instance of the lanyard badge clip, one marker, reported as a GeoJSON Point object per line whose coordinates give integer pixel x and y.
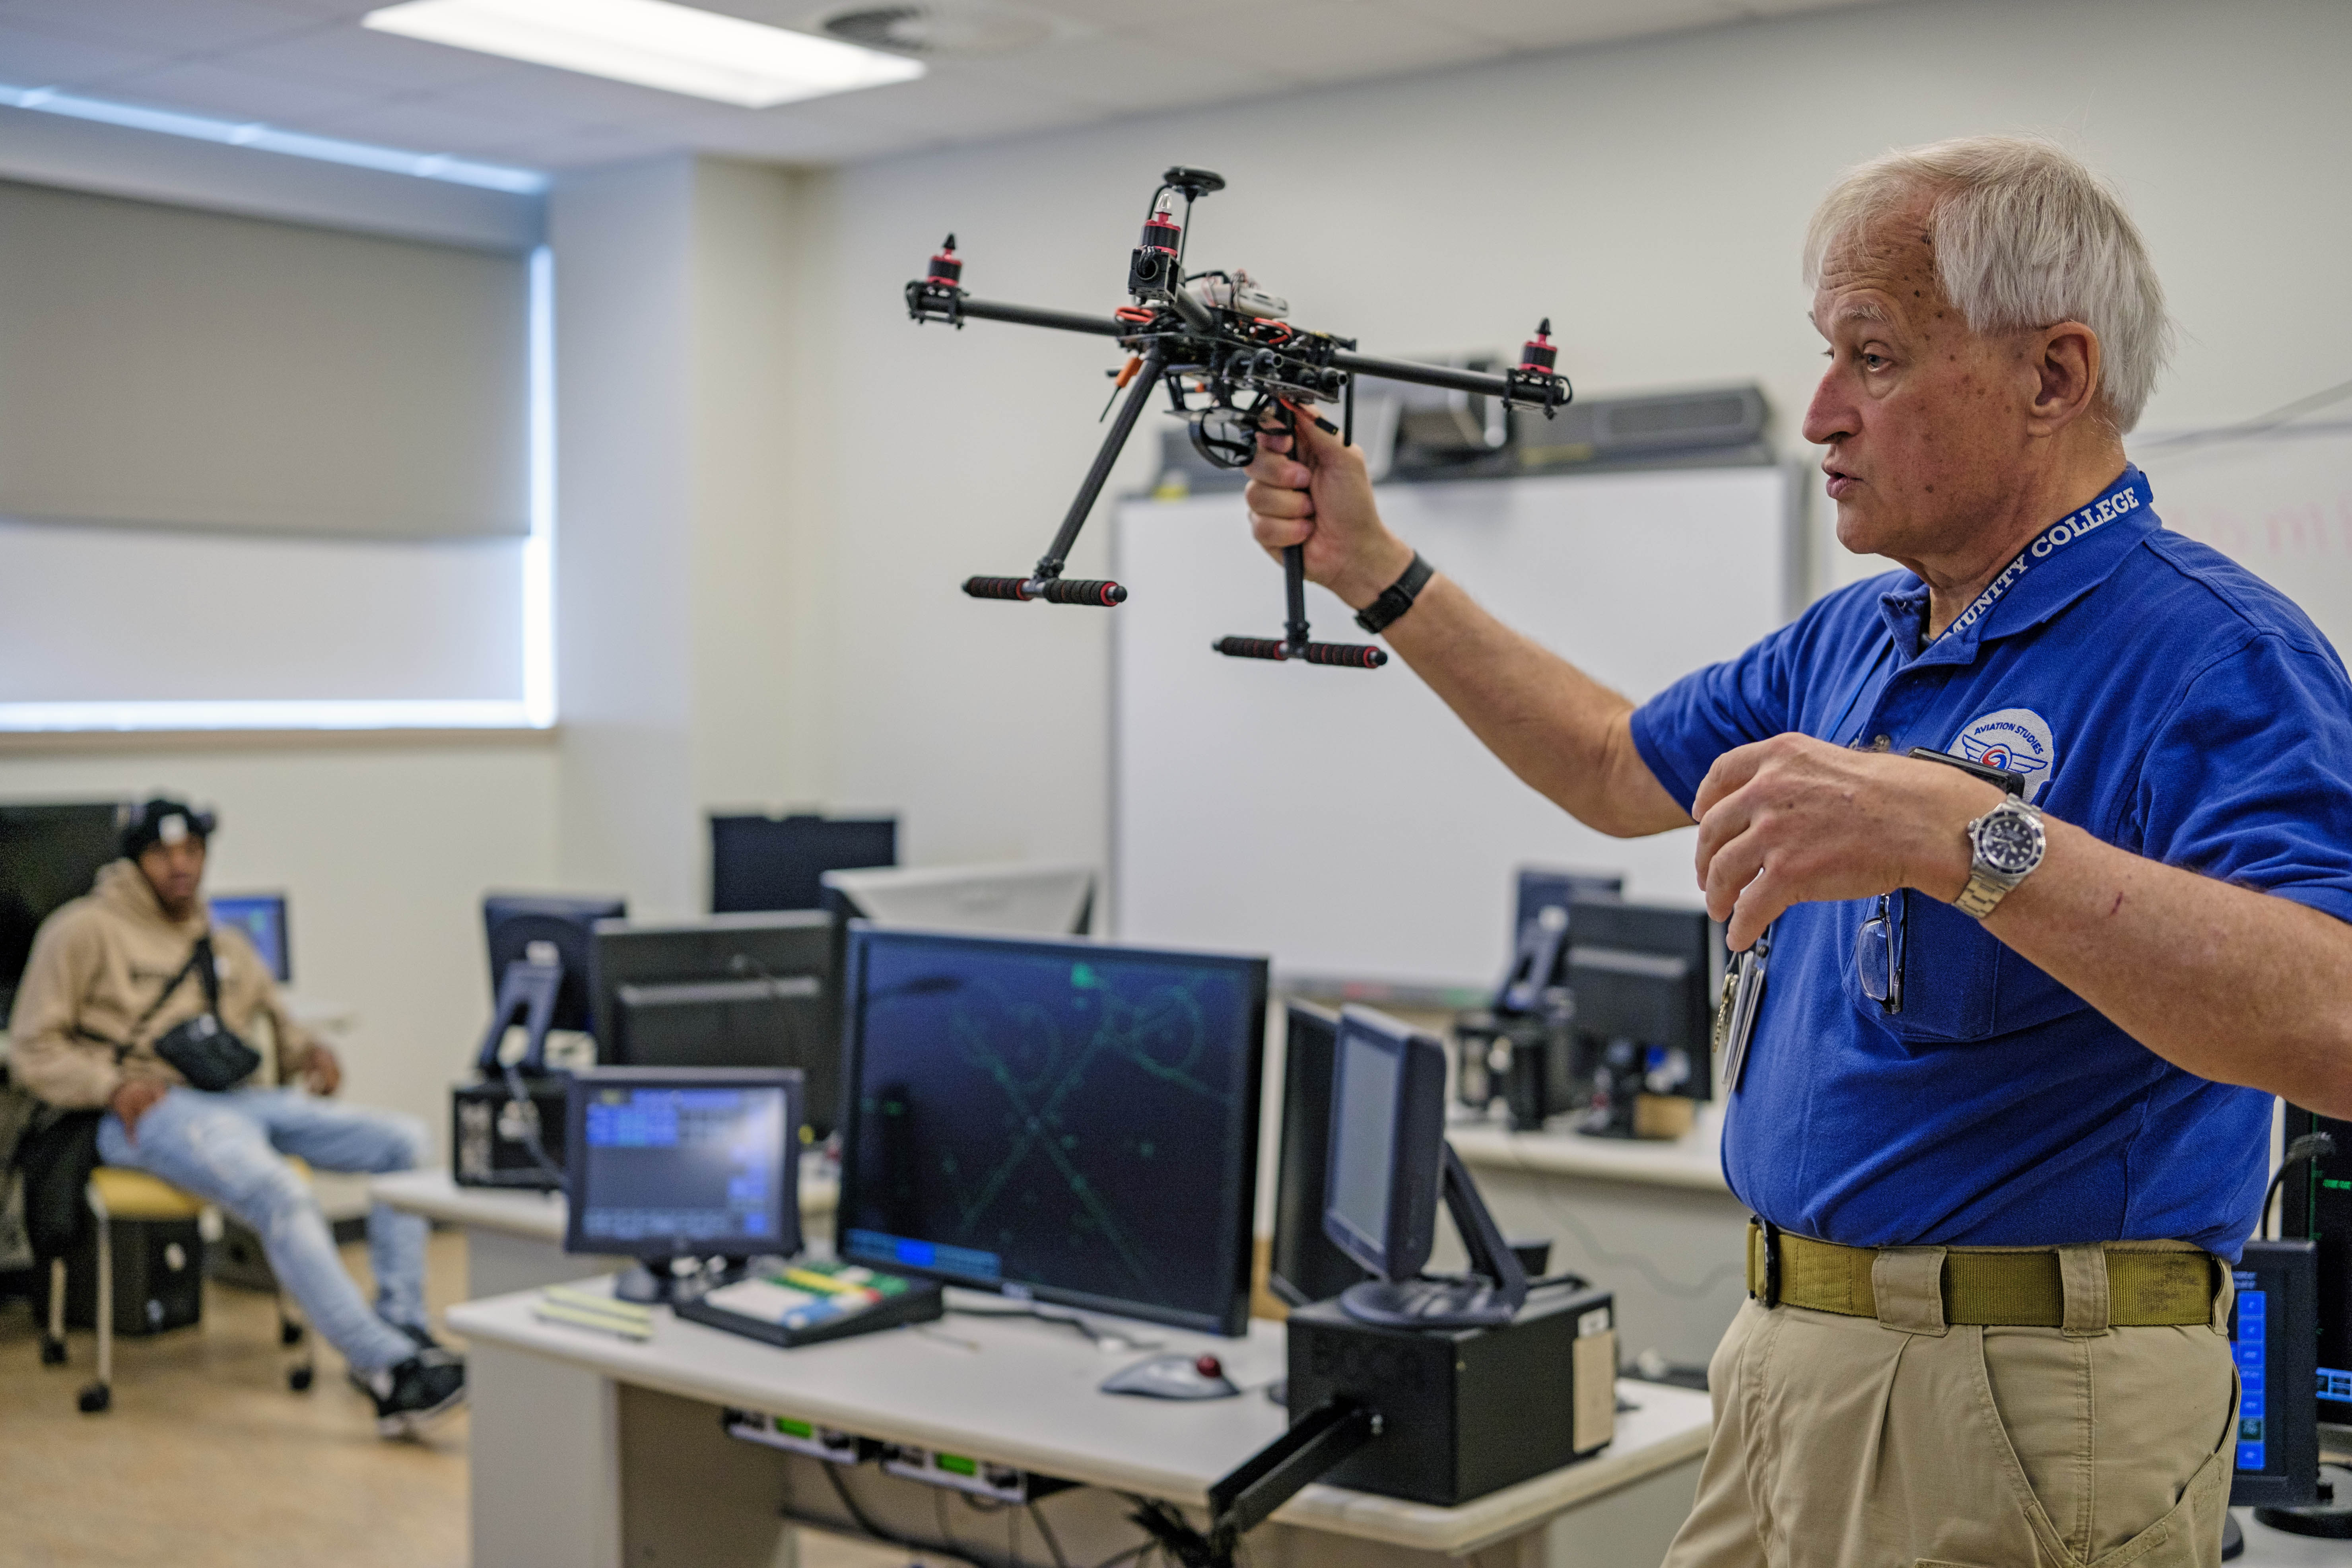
{"type": "Point", "coordinates": [1734, 1017]}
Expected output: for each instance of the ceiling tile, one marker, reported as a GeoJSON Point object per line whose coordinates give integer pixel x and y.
{"type": "Point", "coordinates": [1550, 24]}
{"type": "Point", "coordinates": [1323, 41]}
{"type": "Point", "coordinates": [359, 58]}
{"type": "Point", "coordinates": [1126, 75]}
{"type": "Point", "coordinates": [176, 26]}
{"type": "Point", "coordinates": [33, 56]}
{"type": "Point", "coordinates": [428, 125]}
{"type": "Point", "coordinates": [202, 88]}
{"type": "Point", "coordinates": [543, 90]}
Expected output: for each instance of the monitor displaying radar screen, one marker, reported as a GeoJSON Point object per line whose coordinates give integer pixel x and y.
{"type": "Point", "coordinates": [1069, 1121]}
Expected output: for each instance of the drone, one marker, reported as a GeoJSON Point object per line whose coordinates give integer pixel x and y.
{"type": "Point", "coordinates": [1234, 368]}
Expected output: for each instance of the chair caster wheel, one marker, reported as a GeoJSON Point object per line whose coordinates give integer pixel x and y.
{"type": "Point", "coordinates": [299, 1380]}
{"type": "Point", "coordinates": [290, 1334]}
{"type": "Point", "coordinates": [95, 1399]}
{"type": "Point", "coordinates": [53, 1351]}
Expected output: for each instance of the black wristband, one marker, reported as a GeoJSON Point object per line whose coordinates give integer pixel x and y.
{"type": "Point", "coordinates": [1397, 597]}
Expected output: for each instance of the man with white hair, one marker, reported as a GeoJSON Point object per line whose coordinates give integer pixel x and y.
{"type": "Point", "coordinates": [2005, 1109]}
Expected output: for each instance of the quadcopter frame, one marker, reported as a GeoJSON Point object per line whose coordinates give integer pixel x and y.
{"type": "Point", "coordinates": [1234, 368]}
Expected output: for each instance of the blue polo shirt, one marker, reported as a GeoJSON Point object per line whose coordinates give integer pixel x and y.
{"type": "Point", "coordinates": [2152, 692]}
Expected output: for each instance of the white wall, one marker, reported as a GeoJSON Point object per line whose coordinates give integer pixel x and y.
{"type": "Point", "coordinates": [383, 851]}
{"type": "Point", "coordinates": [691, 664]}
{"type": "Point", "coordinates": [1650, 197]}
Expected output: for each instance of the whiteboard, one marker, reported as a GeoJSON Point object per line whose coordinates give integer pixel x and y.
{"type": "Point", "coordinates": [1344, 821]}
{"type": "Point", "coordinates": [2279, 504]}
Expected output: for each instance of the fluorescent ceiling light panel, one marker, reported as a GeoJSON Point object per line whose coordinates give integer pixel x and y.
{"type": "Point", "coordinates": [269, 139]}
{"type": "Point", "coordinates": [677, 48]}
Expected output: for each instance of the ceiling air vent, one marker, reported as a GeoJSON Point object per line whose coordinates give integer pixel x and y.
{"type": "Point", "coordinates": [943, 27]}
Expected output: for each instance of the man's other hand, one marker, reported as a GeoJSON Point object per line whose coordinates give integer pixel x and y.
{"type": "Point", "coordinates": [1320, 496]}
{"type": "Point", "coordinates": [322, 1071]}
{"type": "Point", "coordinates": [1793, 820]}
{"type": "Point", "coordinates": [133, 1099]}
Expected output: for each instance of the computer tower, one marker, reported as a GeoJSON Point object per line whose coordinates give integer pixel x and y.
{"type": "Point", "coordinates": [1464, 1412]}
{"type": "Point", "coordinates": [487, 1134]}
{"type": "Point", "coordinates": [159, 1276]}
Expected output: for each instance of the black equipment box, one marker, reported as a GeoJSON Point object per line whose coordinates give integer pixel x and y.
{"type": "Point", "coordinates": [159, 1276]}
{"type": "Point", "coordinates": [1465, 1412]}
{"type": "Point", "coordinates": [487, 1133]}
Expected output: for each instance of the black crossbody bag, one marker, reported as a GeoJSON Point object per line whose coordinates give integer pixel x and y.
{"type": "Point", "coordinates": [203, 1049]}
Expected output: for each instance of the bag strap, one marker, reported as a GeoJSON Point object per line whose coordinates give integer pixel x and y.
{"type": "Point", "coordinates": [200, 961]}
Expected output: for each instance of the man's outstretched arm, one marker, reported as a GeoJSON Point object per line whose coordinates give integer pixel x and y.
{"type": "Point", "coordinates": [1567, 735]}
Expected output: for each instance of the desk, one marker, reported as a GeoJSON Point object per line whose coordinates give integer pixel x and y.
{"type": "Point", "coordinates": [1653, 1222]}
{"type": "Point", "coordinates": [588, 1450]}
{"type": "Point", "coordinates": [514, 1237]}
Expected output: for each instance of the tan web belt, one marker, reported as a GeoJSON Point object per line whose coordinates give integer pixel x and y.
{"type": "Point", "coordinates": [2019, 1290]}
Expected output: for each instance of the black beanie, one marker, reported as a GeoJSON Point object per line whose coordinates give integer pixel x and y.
{"type": "Point", "coordinates": [161, 821]}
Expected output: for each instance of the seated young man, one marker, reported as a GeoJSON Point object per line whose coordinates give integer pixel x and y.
{"type": "Point", "coordinates": [115, 972]}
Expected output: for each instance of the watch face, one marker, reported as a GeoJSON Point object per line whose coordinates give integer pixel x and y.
{"type": "Point", "coordinates": [2009, 842]}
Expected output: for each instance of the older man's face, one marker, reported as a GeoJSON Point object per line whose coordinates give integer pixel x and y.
{"type": "Point", "coordinates": [1923, 419]}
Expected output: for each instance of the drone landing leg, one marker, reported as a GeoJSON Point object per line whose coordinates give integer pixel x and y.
{"type": "Point", "coordinates": [1048, 582]}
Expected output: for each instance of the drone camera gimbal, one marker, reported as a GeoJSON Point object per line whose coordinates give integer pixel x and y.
{"type": "Point", "coordinates": [1234, 369]}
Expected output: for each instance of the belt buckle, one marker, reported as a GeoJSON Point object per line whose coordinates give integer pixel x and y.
{"type": "Point", "coordinates": [1770, 1295]}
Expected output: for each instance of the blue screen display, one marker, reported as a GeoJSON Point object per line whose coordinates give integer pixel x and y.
{"type": "Point", "coordinates": [262, 917]}
{"type": "Point", "coordinates": [2250, 1345]}
{"type": "Point", "coordinates": [688, 1165]}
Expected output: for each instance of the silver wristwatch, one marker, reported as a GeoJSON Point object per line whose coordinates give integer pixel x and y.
{"type": "Point", "coordinates": [2006, 844]}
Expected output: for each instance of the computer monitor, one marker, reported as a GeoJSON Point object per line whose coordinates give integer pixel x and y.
{"type": "Point", "coordinates": [665, 1164]}
{"type": "Point", "coordinates": [262, 917]}
{"type": "Point", "coordinates": [1388, 1166]}
{"type": "Point", "coordinates": [2274, 1334]}
{"type": "Point", "coordinates": [1304, 1265]}
{"type": "Point", "coordinates": [2315, 1204]}
{"type": "Point", "coordinates": [776, 862]}
{"type": "Point", "coordinates": [1065, 1121]}
{"type": "Point", "coordinates": [1387, 1131]}
{"type": "Point", "coordinates": [1643, 977]}
{"type": "Point", "coordinates": [542, 958]}
{"type": "Point", "coordinates": [998, 900]}
{"type": "Point", "coordinates": [732, 991]}
{"type": "Point", "coordinates": [1541, 935]}
{"type": "Point", "coordinates": [48, 855]}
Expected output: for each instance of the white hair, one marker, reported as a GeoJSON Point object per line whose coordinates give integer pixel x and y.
{"type": "Point", "coordinates": [2024, 236]}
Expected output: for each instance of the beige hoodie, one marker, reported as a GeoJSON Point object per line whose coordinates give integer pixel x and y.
{"type": "Point", "coordinates": [99, 962]}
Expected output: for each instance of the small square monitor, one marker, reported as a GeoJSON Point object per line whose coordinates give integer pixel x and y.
{"type": "Point", "coordinates": [684, 1162]}
{"type": "Point", "coordinates": [262, 917]}
{"type": "Point", "coordinates": [1386, 1163]}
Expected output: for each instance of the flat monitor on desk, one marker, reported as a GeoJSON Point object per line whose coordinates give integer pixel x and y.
{"type": "Point", "coordinates": [1065, 1121]}
{"type": "Point", "coordinates": [995, 901]}
{"type": "Point", "coordinates": [1546, 897]}
{"type": "Point", "coordinates": [1304, 1265]}
{"type": "Point", "coordinates": [682, 1164]}
{"type": "Point", "coordinates": [1388, 1168]}
{"type": "Point", "coordinates": [48, 855]}
{"type": "Point", "coordinates": [548, 931]}
{"type": "Point", "coordinates": [732, 991]}
{"type": "Point", "coordinates": [776, 862]}
{"type": "Point", "coordinates": [262, 917]}
{"type": "Point", "coordinates": [1645, 981]}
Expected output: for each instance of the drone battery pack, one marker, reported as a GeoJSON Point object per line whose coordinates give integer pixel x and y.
{"type": "Point", "coordinates": [487, 1127]}
{"type": "Point", "coordinates": [1465, 1412]}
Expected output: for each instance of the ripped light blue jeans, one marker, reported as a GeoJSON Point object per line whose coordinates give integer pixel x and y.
{"type": "Point", "coordinates": [227, 1149]}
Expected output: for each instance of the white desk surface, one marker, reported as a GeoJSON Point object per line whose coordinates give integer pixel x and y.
{"type": "Point", "coordinates": [1024, 1393]}
{"type": "Point", "coordinates": [537, 1215]}
{"type": "Point", "coordinates": [1694, 1160]}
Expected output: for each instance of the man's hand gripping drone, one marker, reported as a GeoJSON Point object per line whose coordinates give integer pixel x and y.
{"type": "Point", "coordinates": [1232, 368]}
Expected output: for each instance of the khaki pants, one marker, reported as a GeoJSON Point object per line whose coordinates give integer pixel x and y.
{"type": "Point", "coordinates": [1901, 1442]}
